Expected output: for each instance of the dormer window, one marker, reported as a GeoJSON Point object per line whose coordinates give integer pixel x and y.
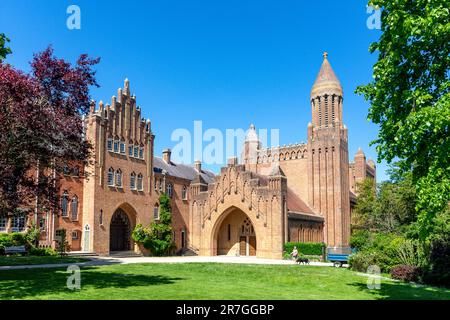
{"type": "Point", "coordinates": [184, 193]}
{"type": "Point", "coordinates": [170, 190]}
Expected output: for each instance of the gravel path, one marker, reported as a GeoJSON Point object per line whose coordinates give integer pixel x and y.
{"type": "Point", "coordinates": [99, 261]}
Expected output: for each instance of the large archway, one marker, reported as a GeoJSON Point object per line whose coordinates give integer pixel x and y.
{"type": "Point", "coordinates": [235, 235]}
{"type": "Point", "coordinates": [120, 232]}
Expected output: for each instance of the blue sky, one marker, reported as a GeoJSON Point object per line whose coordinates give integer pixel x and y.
{"type": "Point", "coordinates": [227, 63]}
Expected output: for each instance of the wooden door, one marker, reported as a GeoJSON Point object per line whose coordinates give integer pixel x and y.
{"type": "Point", "coordinates": [252, 245]}
{"type": "Point", "coordinates": [243, 246]}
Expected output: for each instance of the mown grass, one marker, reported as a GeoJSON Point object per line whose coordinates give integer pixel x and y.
{"type": "Point", "coordinates": [30, 260]}
{"type": "Point", "coordinates": [205, 281]}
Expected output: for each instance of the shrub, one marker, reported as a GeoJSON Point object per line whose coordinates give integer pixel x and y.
{"type": "Point", "coordinates": [308, 248]}
{"type": "Point", "coordinates": [32, 235]}
{"type": "Point", "coordinates": [437, 270]}
{"type": "Point", "coordinates": [158, 236]}
{"type": "Point", "coordinates": [42, 252]}
{"type": "Point", "coordinates": [18, 239]}
{"type": "Point", "coordinates": [406, 273]}
{"type": "Point", "coordinates": [361, 261]}
{"type": "Point", "coordinates": [360, 239]}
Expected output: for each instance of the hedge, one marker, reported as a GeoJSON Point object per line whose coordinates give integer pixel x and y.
{"type": "Point", "coordinates": [305, 248]}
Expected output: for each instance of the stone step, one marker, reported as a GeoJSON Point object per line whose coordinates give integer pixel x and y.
{"type": "Point", "coordinates": [81, 254]}
{"type": "Point", "coordinates": [124, 254]}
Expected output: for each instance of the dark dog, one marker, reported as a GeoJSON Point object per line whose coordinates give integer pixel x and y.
{"type": "Point", "coordinates": [302, 260]}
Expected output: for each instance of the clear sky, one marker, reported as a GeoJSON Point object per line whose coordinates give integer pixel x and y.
{"type": "Point", "coordinates": [227, 63]}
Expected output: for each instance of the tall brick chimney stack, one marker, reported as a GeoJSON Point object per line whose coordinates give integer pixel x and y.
{"type": "Point", "coordinates": [166, 155]}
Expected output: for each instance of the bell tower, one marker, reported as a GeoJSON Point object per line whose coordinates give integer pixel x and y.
{"type": "Point", "coordinates": [328, 169]}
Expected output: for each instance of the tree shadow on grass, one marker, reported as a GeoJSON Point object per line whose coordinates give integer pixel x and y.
{"type": "Point", "coordinates": [404, 291]}
{"type": "Point", "coordinates": [32, 284]}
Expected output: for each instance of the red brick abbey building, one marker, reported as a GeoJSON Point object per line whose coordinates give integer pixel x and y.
{"type": "Point", "coordinates": [299, 192]}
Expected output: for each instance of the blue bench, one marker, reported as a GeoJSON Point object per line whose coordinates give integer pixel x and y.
{"type": "Point", "coordinates": [15, 249]}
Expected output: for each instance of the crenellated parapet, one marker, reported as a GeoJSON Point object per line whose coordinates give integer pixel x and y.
{"type": "Point", "coordinates": [283, 153]}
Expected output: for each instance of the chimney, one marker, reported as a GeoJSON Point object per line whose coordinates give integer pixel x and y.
{"type": "Point", "coordinates": [198, 166]}
{"type": "Point", "coordinates": [232, 161]}
{"type": "Point", "coordinates": [166, 155]}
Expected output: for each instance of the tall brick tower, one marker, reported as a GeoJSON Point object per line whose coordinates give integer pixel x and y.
{"type": "Point", "coordinates": [328, 167]}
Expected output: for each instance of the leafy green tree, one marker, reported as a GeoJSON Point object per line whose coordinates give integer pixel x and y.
{"type": "Point", "coordinates": [63, 245]}
{"type": "Point", "coordinates": [158, 236]}
{"type": "Point", "coordinates": [410, 98]}
{"type": "Point", "coordinates": [387, 207]}
{"type": "Point", "coordinates": [4, 50]}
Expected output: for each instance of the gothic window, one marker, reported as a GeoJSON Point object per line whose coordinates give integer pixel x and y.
{"type": "Point", "coordinates": [116, 146]}
{"type": "Point", "coordinates": [75, 235]}
{"type": "Point", "coordinates": [119, 178]}
{"type": "Point", "coordinates": [111, 177]}
{"type": "Point", "coordinates": [74, 208]}
{"type": "Point", "coordinates": [169, 190]}
{"type": "Point", "coordinates": [156, 212]}
{"type": "Point", "coordinates": [320, 112]}
{"type": "Point", "coordinates": [326, 110]}
{"type": "Point", "coordinates": [3, 222]}
{"type": "Point", "coordinates": [133, 181]}
{"type": "Point", "coordinates": [64, 203]}
{"type": "Point", "coordinates": [122, 147]}
{"type": "Point", "coordinates": [18, 223]}
{"type": "Point", "coordinates": [139, 182]}
{"type": "Point", "coordinates": [332, 109]}
{"type": "Point", "coordinates": [141, 153]}
{"type": "Point", "coordinates": [42, 224]}
{"type": "Point", "coordinates": [247, 228]}
{"type": "Point", "coordinates": [130, 150]}
{"type": "Point", "coordinates": [66, 169]}
{"type": "Point", "coordinates": [136, 152]}
{"type": "Point", "coordinates": [184, 193]}
{"type": "Point", "coordinates": [110, 144]}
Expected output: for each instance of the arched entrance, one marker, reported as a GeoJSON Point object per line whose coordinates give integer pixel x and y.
{"type": "Point", "coordinates": [236, 235]}
{"type": "Point", "coordinates": [119, 232]}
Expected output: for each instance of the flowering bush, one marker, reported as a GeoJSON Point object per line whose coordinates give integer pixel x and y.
{"type": "Point", "coordinates": [406, 273]}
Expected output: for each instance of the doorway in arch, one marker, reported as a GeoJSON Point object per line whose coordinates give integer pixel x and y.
{"type": "Point", "coordinates": [120, 232]}
{"type": "Point", "coordinates": [236, 235]}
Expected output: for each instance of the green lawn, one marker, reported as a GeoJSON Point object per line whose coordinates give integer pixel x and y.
{"type": "Point", "coordinates": [205, 281]}
{"type": "Point", "coordinates": [27, 260]}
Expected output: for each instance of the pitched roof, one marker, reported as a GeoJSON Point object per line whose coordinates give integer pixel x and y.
{"type": "Point", "coordinates": [182, 171]}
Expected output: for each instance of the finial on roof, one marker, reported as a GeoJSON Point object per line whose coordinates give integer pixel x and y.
{"type": "Point", "coordinates": [325, 55]}
{"type": "Point", "coordinates": [127, 86]}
